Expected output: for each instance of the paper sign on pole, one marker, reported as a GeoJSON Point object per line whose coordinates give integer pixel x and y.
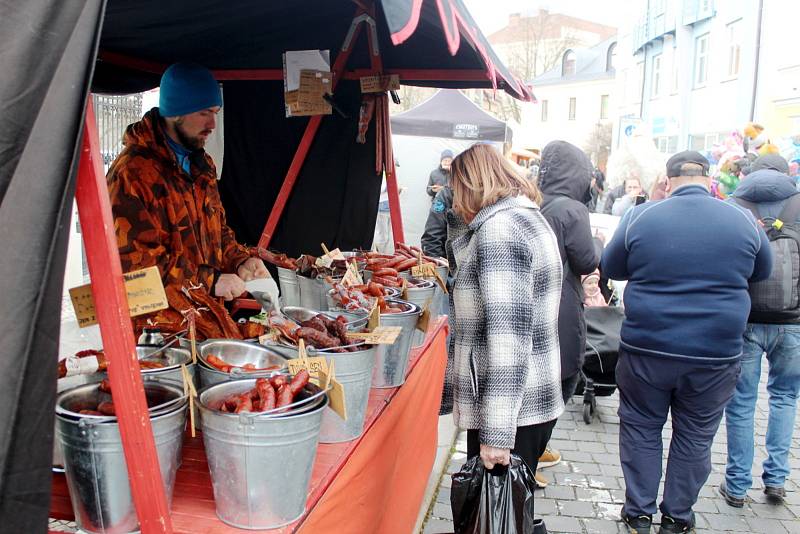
{"type": "Point", "coordinates": [144, 289]}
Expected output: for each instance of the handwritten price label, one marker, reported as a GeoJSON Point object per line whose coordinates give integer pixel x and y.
{"type": "Point", "coordinates": [426, 270]}
{"type": "Point", "coordinates": [383, 335]}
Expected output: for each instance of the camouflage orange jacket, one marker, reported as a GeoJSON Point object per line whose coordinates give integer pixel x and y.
{"type": "Point", "coordinates": [164, 217]}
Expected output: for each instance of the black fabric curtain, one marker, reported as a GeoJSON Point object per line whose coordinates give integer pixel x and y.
{"type": "Point", "coordinates": [335, 198]}
{"type": "Point", "coordinates": [48, 55]}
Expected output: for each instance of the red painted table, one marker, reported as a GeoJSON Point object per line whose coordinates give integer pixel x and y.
{"type": "Point", "coordinates": [373, 484]}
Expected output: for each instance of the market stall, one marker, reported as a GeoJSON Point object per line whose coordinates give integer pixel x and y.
{"type": "Point", "coordinates": [289, 183]}
{"type": "Point", "coordinates": [448, 120]}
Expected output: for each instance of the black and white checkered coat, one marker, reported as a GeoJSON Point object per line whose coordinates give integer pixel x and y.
{"type": "Point", "coordinates": [503, 368]}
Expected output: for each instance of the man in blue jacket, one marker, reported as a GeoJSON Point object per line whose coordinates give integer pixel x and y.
{"type": "Point", "coordinates": [688, 261]}
{"type": "Point", "coordinates": [772, 194]}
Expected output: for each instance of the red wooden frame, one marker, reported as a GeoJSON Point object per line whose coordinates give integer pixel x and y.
{"type": "Point", "coordinates": [111, 304]}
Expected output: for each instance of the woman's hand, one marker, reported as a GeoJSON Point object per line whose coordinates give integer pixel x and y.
{"type": "Point", "coordinates": [492, 456]}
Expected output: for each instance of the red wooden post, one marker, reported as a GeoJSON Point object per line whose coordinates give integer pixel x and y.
{"type": "Point", "coordinates": [391, 178]}
{"type": "Point", "coordinates": [111, 304]}
{"type": "Point", "coordinates": [307, 139]}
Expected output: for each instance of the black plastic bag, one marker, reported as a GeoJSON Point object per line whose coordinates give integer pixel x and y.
{"type": "Point", "coordinates": [497, 501]}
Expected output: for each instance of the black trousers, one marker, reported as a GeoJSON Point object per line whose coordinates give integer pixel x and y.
{"type": "Point", "coordinates": [529, 444]}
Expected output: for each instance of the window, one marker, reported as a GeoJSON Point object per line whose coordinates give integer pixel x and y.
{"type": "Point", "coordinates": [544, 110]}
{"type": "Point", "coordinates": [675, 72]}
{"type": "Point", "coordinates": [611, 57]}
{"type": "Point", "coordinates": [603, 107]}
{"type": "Point", "coordinates": [667, 144]}
{"type": "Point", "coordinates": [701, 61]}
{"type": "Point", "coordinates": [572, 105]}
{"type": "Point", "coordinates": [734, 48]}
{"type": "Point", "coordinates": [655, 81]}
{"type": "Point", "coordinates": [639, 81]}
{"type": "Point", "coordinates": [568, 66]}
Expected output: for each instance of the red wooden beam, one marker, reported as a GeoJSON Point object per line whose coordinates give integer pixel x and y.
{"type": "Point", "coordinates": [306, 141]}
{"type": "Point", "coordinates": [395, 213]}
{"type": "Point", "coordinates": [111, 303]}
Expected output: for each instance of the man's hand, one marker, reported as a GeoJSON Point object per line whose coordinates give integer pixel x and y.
{"type": "Point", "coordinates": [229, 286]}
{"type": "Point", "coordinates": [251, 269]}
{"type": "Point", "coordinates": [436, 188]}
{"type": "Point", "coordinates": [492, 456]}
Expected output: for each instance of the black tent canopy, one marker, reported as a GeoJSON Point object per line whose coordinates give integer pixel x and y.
{"type": "Point", "coordinates": [449, 113]}
{"type": "Point", "coordinates": [55, 52]}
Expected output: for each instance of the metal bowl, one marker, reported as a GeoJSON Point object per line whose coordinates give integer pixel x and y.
{"type": "Point", "coordinates": [239, 353]}
{"type": "Point", "coordinates": [171, 358]}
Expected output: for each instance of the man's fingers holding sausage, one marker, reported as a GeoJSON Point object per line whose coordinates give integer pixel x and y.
{"type": "Point", "coordinates": [229, 286]}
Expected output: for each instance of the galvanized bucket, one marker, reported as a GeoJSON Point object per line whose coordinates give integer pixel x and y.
{"type": "Point", "coordinates": [239, 353]}
{"type": "Point", "coordinates": [95, 462]}
{"type": "Point", "coordinates": [355, 321]}
{"type": "Point", "coordinates": [290, 289]}
{"type": "Point", "coordinates": [354, 371]}
{"type": "Point", "coordinates": [441, 297]}
{"type": "Point", "coordinates": [171, 357]}
{"type": "Point", "coordinates": [391, 361]}
{"type": "Point", "coordinates": [260, 465]}
{"type": "Point", "coordinates": [312, 292]}
{"type": "Point", "coordinates": [333, 306]}
{"type": "Point", "coordinates": [422, 296]}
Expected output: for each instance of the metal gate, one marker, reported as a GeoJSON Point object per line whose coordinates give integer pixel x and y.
{"type": "Point", "coordinates": [114, 114]}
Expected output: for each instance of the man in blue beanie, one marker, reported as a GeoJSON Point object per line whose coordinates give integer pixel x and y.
{"type": "Point", "coordinates": [163, 188]}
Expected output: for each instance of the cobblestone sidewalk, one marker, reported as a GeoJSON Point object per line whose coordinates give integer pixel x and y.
{"type": "Point", "coordinates": [586, 489]}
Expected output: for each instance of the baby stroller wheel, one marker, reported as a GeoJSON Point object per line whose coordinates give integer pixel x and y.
{"type": "Point", "coordinates": [588, 413]}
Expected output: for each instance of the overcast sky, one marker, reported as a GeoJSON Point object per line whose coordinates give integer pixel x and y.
{"type": "Point", "coordinates": [492, 15]}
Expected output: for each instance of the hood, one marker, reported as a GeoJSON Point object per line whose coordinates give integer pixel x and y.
{"type": "Point", "coordinates": [565, 170]}
{"type": "Point", "coordinates": [147, 133]}
{"type": "Point", "coordinates": [765, 185]}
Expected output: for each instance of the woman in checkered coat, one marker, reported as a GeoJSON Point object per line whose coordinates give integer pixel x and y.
{"type": "Point", "coordinates": [503, 374]}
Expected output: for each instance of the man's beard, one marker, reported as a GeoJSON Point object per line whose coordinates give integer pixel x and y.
{"type": "Point", "coordinates": [190, 142]}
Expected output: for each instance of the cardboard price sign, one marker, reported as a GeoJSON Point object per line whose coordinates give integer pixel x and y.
{"type": "Point", "coordinates": [425, 270]}
{"type": "Point", "coordinates": [383, 335]}
{"type": "Point", "coordinates": [380, 84]}
{"type": "Point", "coordinates": [145, 295]}
{"type": "Point", "coordinates": [191, 392]}
{"type": "Point", "coordinates": [336, 393]}
{"type": "Point", "coordinates": [308, 98]}
{"type": "Point", "coordinates": [352, 277]}
{"type": "Point", "coordinates": [425, 318]}
{"type": "Point", "coordinates": [374, 321]}
{"type": "Point", "coordinates": [327, 259]}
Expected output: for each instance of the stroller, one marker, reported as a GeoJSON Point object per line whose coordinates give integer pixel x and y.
{"type": "Point", "coordinates": [598, 374]}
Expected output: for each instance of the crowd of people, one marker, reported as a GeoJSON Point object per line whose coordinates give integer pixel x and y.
{"type": "Point", "coordinates": [525, 264]}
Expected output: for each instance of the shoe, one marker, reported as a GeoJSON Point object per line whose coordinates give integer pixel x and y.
{"type": "Point", "coordinates": [539, 527]}
{"type": "Point", "coordinates": [732, 500]}
{"type": "Point", "coordinates": [775, 494]}
{"type": "Point", "coordinates": [674, 526]}
{"type": "Point", "coordinates": [637, 524]}
{"type": "Point", "coordinates": [541, 480]}
{"type": "Point", "coordinates": [549, 458]}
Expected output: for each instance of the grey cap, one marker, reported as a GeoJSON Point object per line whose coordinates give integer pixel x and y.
{"type": "Point", "coordinates": [676, 162]}
{"type": "Point", "coordinates": [771, 161]}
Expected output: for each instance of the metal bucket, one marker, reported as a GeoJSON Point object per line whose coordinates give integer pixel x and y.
{"type": "Point", "coordinates": [391, 361]}
{"type": "Point", "coordinates": [171, 358]}
{"type": "Point", "coordinates": [95, 462]}
{"type": "Point", "coordinates": [290, 289]}
{"type": "Point", "coordinates": [312, 292]}
{"type": "Point", "coordinates": [441, 296]}
{"type": "Point", "coordinates": [236, 352]}
{"type": "Point", "coordinates": [260, 465]}
{"type": "Point", "coordinates": [355, 321]}
{"type": "Point", "coordinates": [354, 371]}
{"type": "Point", "coordinates": [422, 296]}
{"type": "Point", "coordinates": [333, 306]}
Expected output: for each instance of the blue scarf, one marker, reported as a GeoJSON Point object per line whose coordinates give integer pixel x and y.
{"type": "Point", "coordinates": [181, 153]}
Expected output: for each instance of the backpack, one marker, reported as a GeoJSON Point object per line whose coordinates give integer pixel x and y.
{"type": "Point", "coordinates": [777, 299]}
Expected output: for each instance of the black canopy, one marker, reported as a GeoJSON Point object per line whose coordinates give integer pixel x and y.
{"type": "Point", "coordinates": [450, 114]}
{"type": "Point", "coordinates": [50, 58]}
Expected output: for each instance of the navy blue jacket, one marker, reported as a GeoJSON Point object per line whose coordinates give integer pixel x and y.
{"type": "Point", "coordinates": [688, 260]}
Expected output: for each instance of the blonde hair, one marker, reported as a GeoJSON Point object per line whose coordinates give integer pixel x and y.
{"type": "Point", "coordinates": [480, 177]}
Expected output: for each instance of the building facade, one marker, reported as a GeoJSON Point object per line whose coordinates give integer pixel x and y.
{"type": "Point", "coordinates": [690, 72]}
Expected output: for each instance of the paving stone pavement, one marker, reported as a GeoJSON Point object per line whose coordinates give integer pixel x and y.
{"type": "Point", "coordinates": [587, 488]}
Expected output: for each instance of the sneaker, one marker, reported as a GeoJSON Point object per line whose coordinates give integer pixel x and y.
{"type": "Point", "coordinates": [637, 524]}
{"type": "Point", "coordinates": [549, 458]}
{"type": "Point", "coordinates": [775, 494]}
{"type": "Point", "coordinates": [674, 526]}
{"type": "Point", "coordinates": [732, 500]}
{"type": "Point", "coordinates": [541, 480]}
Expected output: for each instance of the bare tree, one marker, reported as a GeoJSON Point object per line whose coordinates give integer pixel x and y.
{"type": "Point", "coordinates": [598, 144]}
{"type": "Point", "coordinates": [410, 96]}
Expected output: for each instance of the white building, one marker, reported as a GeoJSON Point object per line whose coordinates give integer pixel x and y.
{"type": "Point", "coordinates": [575, 98]}
{"type": "Point", "coordinates": [690, 72]}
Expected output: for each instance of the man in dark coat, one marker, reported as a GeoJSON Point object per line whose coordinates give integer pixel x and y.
{"type": "Point", "coordinates": [435, 236]}
{"type": "Point", "coordinates": [564, 180]}
{"type": "Point", "coordinates": [440, 176]}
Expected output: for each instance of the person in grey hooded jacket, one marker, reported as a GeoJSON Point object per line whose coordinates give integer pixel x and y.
{"type": "Point", "coordinates": [564, 179]}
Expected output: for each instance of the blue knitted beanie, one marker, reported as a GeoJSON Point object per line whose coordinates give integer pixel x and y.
{"type": "Point", "coordinates": [186, 88]}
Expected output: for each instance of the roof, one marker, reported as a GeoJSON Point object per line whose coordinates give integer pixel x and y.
{"type": "Point", "coordinates": [590, 64]}
{"type": "Point", "coordinates": [450, 114]}
{"type": "Point", "coordinates": [518, 28]}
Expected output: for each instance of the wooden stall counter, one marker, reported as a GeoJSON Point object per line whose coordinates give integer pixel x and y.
{"type": "Point", "coordinates": [372, 484]}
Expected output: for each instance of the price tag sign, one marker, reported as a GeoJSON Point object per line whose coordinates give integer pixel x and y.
{"type": "Point", "coordinates": [327, 259]}
{"type": "Point", "coordinates": [383, 335]}
{"type": "Point", "coordinates": [425, 318]}
{"type": "Point", "coordinates": [404, 291]}
{"type": "Point", "coordinates": [189, 389]}
{"type": "Point", "coordinates": [380, 84]}
{"type": "Point", "coordinates": [336, 395]}
{"type": "Point", "coordinates": [425, 270]}
{"type": "Point", "coordinates": [313, 365]}
{"type": "Point", "coordinates": [352, 277]}
{"type": "Point", "coordinates": [374, 321]}
{"type": "Point", "coordinates": [145, 295]}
